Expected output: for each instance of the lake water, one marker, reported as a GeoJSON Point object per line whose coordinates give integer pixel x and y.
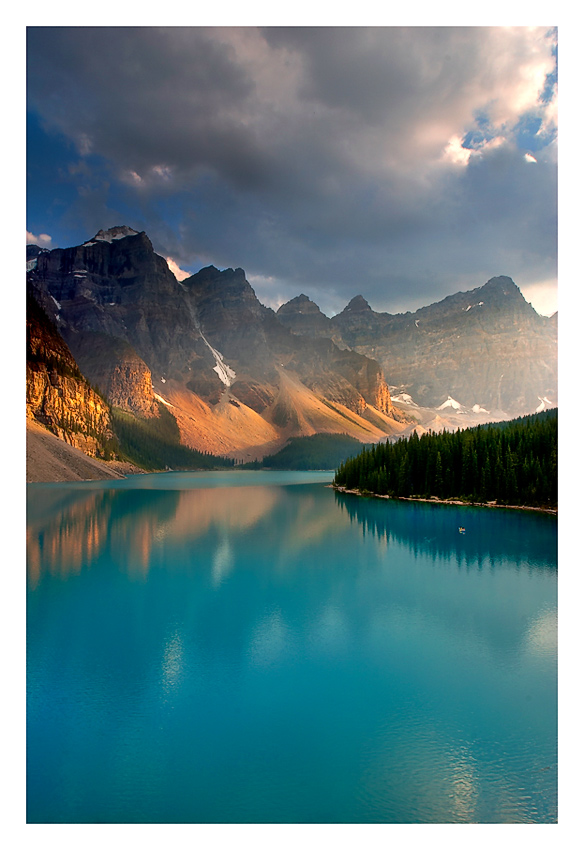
{"type": "Point", "coordinates": [252, 647]}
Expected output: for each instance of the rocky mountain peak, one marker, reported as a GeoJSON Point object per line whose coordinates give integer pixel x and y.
{"type": "Point", "coordinates": [502, 286]}
{"type": "Point", "coordinates": [205, 346]}
{"type": "Point", "coordinates": [34, 250]}
{"type": "Point", "coordinates": [357, 305]}
{"type": "Point", "coordinates": [113, 234]}
{"type": "Point", "coordinates": [502, 282]}
{"type": "Point", "coordinates": [305, 318]}
{"type": "Point", "coordinates": [211, 274]}
{"type": "Point", "coordinates": [300, 304]}
{"type": "Point", "coordinates": [485, 346]}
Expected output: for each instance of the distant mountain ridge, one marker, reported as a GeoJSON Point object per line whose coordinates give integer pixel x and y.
{"type": "Point", "coordinates": [487, 348]}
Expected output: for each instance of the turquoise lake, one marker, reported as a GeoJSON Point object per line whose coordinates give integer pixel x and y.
{"type": "Point", "coordinates": [255, 648]}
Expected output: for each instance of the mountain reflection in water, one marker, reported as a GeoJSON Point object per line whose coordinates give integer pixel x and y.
{"type": "Point", "coordinates": [68, 529]}
{"type": "Point", "coordinates": [91, 522]}
{"type": "Point", "coordinates": [286, 654]}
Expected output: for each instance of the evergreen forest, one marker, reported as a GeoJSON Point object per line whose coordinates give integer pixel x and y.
{"type": "Point", "coordinates": [319, 451]}
{"type": "Point", "coordinates": [154, 443]}
{"type": "Point", "coordinates": [510, 463]}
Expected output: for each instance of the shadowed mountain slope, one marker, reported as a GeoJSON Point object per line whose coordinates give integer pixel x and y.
{"type": "Point", "coordinates": [204, 344]}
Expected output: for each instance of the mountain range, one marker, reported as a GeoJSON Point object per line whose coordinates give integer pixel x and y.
{"type": "Point", "coordinates": [241, 380]}
{"type": "Point", "coordinates": [487, 349]}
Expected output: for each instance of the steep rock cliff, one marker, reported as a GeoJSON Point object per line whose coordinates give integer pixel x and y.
{"type": "Point", "coordinates": [57, 394]}
{"type": "Point", "coordinates": [112, 365]}
{"type": "Point", "coordinates": [118, 286]}
{"type": "Point", "coordinates": [135, 331]}
{"type": "Point", "coordinates": [303, 316]}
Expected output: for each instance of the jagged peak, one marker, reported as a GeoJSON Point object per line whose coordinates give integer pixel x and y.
{"type": "Point", "coordinates": [357, 305]}
{"type": "Point", "coordinates": [502, 283]}
{"type": "Point", "coordinates": [211, 278]}
{"type": "Point", "coordinates": [299, 304]}
{"type": "Point", "coordinates": [213, 270]}
{"type": "Point", "coordinates": [238, 272]}
{"type": "Point", "coordinates": [34, 251]}
{"type": "Point", "coordinates": [112, 234]}
{"type": "Point", "coordinates": [501, 279]}
{"type": "Point", "coordinates": [205, 274]}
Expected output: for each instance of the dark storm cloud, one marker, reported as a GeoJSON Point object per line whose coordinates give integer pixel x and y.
{"type": "Point", "coordinates": [140, 96]}
{"type": "Point", "coordinates": [314, 158]}
{"type": "Point", "coordinates": [374, 72]}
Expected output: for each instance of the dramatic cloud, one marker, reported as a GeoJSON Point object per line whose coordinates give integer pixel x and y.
{"type": "Point", "coordinates": [43, 240]}
{"type": "Point", "coordinates": [395, 162]}
{"type": "Point", "coordinates": [179, 273]}
{"type": "Point", "coordinates": [543, 295]}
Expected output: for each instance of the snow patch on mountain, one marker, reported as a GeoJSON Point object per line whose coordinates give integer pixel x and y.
{"type": "Point", "coordinates": [225, 372]}
{"type": "Point", "coordinates": [405, 398]}
{"type": "Point", "coordinates": [450, 402]}
{"type": "Point", "coordinates": [545, 404]}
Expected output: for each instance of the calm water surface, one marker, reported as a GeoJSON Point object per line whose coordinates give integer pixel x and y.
{"type": "Point", "coordinates": [252, 647]}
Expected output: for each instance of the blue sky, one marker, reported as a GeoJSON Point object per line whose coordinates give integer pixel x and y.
{"type": "Point", "coordinates": [400, 163]}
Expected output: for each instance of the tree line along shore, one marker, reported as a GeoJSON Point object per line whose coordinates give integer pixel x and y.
{"type": "Point", "coordinates": [512, 463]}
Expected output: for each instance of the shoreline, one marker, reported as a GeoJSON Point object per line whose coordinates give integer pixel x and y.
{"type": "Point", "coordinates": [434, 500]}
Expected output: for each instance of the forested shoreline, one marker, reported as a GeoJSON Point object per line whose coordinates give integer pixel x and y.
{"type": "Point", "coordinates": [505, 463]}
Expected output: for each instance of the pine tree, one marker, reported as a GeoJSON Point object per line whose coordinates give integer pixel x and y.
{"type": "Point", "coordinates": [438, 477]}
